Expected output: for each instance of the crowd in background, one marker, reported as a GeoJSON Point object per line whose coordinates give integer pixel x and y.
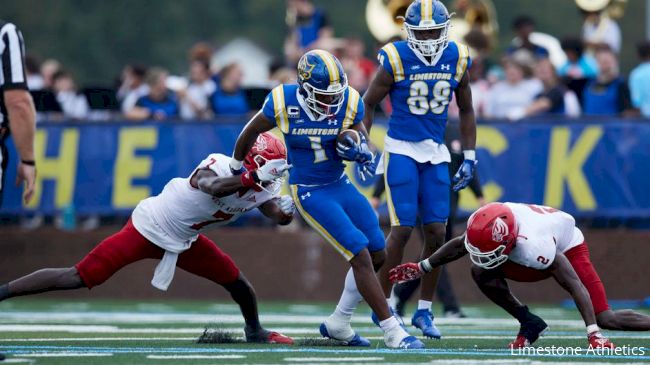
{"type": "Point", "coordinates": [521, 83]}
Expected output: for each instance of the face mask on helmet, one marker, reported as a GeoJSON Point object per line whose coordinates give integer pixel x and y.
{"type": "Point", "coordinates": [325, 102]}
{"type": "Point", "coordinates": [486, 260]}
{"type": "Point", "coordinates": [428, 40]}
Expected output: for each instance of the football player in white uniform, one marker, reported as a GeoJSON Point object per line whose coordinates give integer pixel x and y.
{"type": "Point", "coordinates": [527, 243]}
{"type": "Point", "coordinates": [168, 227]}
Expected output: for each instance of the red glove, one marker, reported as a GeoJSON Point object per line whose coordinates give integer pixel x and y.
{"type": "Point", "coordinates": [598, 341]}
{"type": "Point", "coordinates": [405, 272]}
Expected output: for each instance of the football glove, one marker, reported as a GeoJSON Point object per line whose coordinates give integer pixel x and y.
{"type": "Point", "coordinates": [272, 170]}
{"type": "Point", "coordinates": [409, 271]}
{"type": "Point", "coordinates": [598, 341]}
{"type": "Point", "coordinates": [465, 172]}
{"type": "Point", "coordinates": [286, 205]}
{"type": "Point", "coordinates": [351, 151]}
{"type": "Point", "coordinates": [367, 168]}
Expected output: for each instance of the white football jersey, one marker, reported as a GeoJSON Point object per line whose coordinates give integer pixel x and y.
{"type": "Point", "coordinates": [174, 218]}
{"type": "Point", "coordinates": [543, 231]}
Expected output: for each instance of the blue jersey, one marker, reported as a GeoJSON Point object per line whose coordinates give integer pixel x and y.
{"type": "Point", "coordinates": [421, 94]}
{"type": "Point", "coordinates": [311, 144]}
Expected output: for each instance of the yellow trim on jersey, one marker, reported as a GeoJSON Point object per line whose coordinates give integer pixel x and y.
{"type": "Point", "coordinates": [315, 225]}
{"type": "Point", "coordinates": [461, 65]}
{"type": "Point", "coordinates": [279, 109]}
{"type": "Point", "coordinates": [394, 219]}
{"type": "Point", "coordinates": [351, 110]}
{"type": "Point", "coordinates": [395, 61]}
{"type": "Point", "coordinates": [426, 12]}
{"type": "Point", "coordinates": [330, 63]}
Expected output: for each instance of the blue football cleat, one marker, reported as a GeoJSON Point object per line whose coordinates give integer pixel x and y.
{"type": "Point", "coordinates": [423, 319]}
{"type": "Point", "coordinates": [356, 341]}
{"type": "Point", "coordinates": [375, 320]}
{"type": "Point", "coordinates": [411, 343]}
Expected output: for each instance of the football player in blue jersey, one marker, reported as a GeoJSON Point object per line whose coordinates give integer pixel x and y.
{"type": "Point", "coordinates": [311, 115]}
{"type": "Point", "coordinates": [420, 75]}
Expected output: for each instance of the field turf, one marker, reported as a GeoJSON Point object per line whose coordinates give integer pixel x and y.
{"type": "Point", "coordinates": [109, 332]}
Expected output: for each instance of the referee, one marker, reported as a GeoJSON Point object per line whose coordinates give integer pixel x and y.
{"type": "Point", "coordinates": [17, 112]}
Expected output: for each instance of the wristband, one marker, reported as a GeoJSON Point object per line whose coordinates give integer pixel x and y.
{"type": "Point", "coordinates": [470, 155]}
{"type": "Point", "coordinates": [249, 179]}
{"type": "Point", "coordinates": [236, 164]}
{"type": "Point", "coordinates": [592, 328]}
{"type": "Point", "coordinates": [425, 266]}
{"type": "Point", "coordinates": [28, 162]}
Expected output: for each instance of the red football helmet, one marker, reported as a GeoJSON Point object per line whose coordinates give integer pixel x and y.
{"type": "Point", "coordinates": [491, 235]}
{"type": "Point", "coordinates": [267, 147]}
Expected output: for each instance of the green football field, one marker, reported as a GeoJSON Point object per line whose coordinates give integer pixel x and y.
{"type": "Point", "coordinates": [109, 332]}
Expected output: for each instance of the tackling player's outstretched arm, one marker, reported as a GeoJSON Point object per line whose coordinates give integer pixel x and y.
{"type": "Point", "coordinates": [256, 126]}
{"type": "Point", "coordinates": [467, 134]}
{"type": "Point", "coordinates": [450, 251]}
{"type": "Point", "coordinates": [377, 91]}
{"type": "Point", "coordinates": [210, 183]}
{"type": "Point", "coordinates": [566, 276]}
{"type": "Point", "coordinates": [280, 210]}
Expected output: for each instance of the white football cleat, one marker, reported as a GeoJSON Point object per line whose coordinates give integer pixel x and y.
{"type": "Point", "coordinates": [398, 338]}
{"type": "Point", "coordinates": [340, 330]}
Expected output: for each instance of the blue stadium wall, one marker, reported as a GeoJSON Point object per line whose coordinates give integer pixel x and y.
{"type": "Point", "coordinates": [590, 169]}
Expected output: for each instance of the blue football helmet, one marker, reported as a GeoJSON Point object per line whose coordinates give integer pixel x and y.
{"type": "Point", "coordinates": [427, 24]}
{"type": "Point", "coordinates": [322, 82]}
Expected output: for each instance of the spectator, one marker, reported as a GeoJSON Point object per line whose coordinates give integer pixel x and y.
{"type": "Point", "coordinates": [579, 68]}
{"type": "Point", "coordinates": [48, 69]}
{"type": "Point", "coordinates": [510, 98]}
{"type": "Point", "coordinates": [640, 80]}
{"type": "Point", "coordinates": [160, 103]}
{"type": "Point", "coordinates": [555, 99]}
{"type": "Point", "coordinates": [229, 98]}
{"type": "Point", "coordinates": [524, 26]}
{"type": "Point", "coordinates": [600, 30]}
{"type": "Point", "coordinates": [133, 86]}
{"type": "Point", "coordinates": [32, 70]}
{"type": "Point", "coordinates": [308, 29]}
{"type": "Point", "coordinates": [358, 67]}
{"type": "Point", "coordinates": [194, 99]}
{"type": "Point", "coordinates": [480, 89]}
{"type": "Point", "coordinates": [608, 94]}
{"type": "Point", "coordinates": [74, 105]}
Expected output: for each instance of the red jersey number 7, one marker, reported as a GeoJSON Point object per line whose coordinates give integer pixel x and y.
{"type": "Point", "coordinates": [220, 217]}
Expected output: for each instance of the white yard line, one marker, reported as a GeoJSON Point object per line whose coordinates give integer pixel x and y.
{"type": "Point", "coordinates": [331, 359]}
{"type": "Point", "coordinates": [68, 354]}
{"type": "Point", "coordinates": [194, 357]}
{"type": "Point", "coordinates": [158, 318]}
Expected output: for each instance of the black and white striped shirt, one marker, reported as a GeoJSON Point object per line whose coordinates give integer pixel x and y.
{"type": "Point", "coordinates": [12, 64]}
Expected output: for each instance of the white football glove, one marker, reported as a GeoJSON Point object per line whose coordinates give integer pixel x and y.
{"type": "Point", "coordinates": [286, 205]}
{"type": "Point", "coordinates": [272, 170]}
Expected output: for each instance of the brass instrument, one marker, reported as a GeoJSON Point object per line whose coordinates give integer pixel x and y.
{"type": "Point", "coordinates": [614, 8]}
{"type": "Point", "coordinates": [384, 18]}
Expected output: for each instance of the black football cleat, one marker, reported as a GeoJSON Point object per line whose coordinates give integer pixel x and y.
{"type": "Point", "coordinates": [529, 332]}
{"type": "Point", "coordinates": [2, 356]}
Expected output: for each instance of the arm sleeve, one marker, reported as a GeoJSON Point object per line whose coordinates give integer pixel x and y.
{"type": "Point", "coordinates": [13, 59]}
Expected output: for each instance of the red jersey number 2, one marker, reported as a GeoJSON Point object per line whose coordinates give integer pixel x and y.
{"type": "Point", "coordinates": [220, 217]}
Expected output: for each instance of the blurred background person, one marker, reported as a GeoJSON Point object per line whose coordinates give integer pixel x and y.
{"type": "Point", "coordinates": [600, 30]}
{"type": "Point", "coordinates": [32, 71]}
{"type": "Point", "coordinates": [608, 94]}
{"type": "Point", "coordinates": [229, 97]}
{"type": "Point", "coordinates": [640, 80]}
{"type": "Point", "coordinates": [194, 99]}
{"type": "Point", "coordinates": [48, 68]}
{"type": "Point", "coordinates": [73, 104]}
{"type": "Point", "coordinates": [555, 99]}
{"type": "Point", "coordinates": [524, 26]}
{"type": "Point", "coordinates": [358, 67]}
{"type": "Point", "coordinates": [132, 87]}
{"type": "Point", "coordinates": [309, 28]}
{"type": "Point", "coordinates": [579, 68]}
{"type": "Point", "coordinates": [511, 97]}
{"type": "Point", "coordinates": [160, 103]}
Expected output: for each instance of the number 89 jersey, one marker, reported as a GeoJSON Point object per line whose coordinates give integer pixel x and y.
{"type": "Point", "coordinates": [421, 92]}
{"type": "Point", "coordinates": [311, 141]}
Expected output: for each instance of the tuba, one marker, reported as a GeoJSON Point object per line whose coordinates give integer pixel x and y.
{"type": "Point", "coordinates": [614, 8]}
{"type": "Point", "coordinates": [384, 19]}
